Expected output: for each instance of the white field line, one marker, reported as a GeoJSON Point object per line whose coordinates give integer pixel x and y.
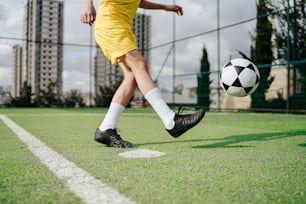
{"type": "Point", "coordinates": [77, 114]}
{"type": "Point", "coordinates": [89, 189]}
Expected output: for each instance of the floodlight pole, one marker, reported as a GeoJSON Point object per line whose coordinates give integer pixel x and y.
{"type": "Point", "coordinates": [218, 53]}
{"type": "Point", "coordinates": [90, 68]}
{"type": "Point", "coordinates": [288, 58]}
{"type": "Point", "coordinates": [294, 55]}
{"type": "Point", "coordinates": [173, 57]}
{"type": "Point", "coordinates": [27, 44]}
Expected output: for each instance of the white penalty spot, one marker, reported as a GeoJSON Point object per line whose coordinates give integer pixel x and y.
{"type": "Point", "coordinates": [141, 154]}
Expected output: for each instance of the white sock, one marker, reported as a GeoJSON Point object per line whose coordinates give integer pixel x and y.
{"type": "Point", "coordinates": [112, 116]}
{"type": "Point", "coordinates": [161, 108]}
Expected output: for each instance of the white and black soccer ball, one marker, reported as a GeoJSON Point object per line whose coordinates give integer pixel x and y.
{"type": "Point", "coordinates": [239, 77]}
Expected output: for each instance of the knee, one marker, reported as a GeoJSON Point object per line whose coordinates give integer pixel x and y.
{"type": "Point", "coordinates": [139, 66]}
{"type": "Point", "coordinates": [136, 61]}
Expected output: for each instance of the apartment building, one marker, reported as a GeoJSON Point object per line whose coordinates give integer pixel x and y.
{"type": "Point", "coordinates": [42, 52]}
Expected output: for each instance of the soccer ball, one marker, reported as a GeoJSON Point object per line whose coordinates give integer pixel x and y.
{"type": "Point", "coordinates": [239, 77]}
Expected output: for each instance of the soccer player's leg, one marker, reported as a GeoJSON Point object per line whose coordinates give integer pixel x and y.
{"type": "Point", "coordinates": [176, 124]}
{"type": "Point", "coordinates": [107, 133]}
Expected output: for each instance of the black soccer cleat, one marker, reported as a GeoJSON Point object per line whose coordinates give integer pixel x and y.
{"type": "Point", "coordinates": [111, 138]}
{"type": "Point", "coordinates": [185, 122]}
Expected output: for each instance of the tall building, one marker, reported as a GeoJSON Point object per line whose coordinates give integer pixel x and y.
{"type": "Point", "coordinates": [17, 71]}
{"type": "Point", "coordinates": [42, 53]}
{"type": "Point", "coordinates": [142, 29]}
{"type": "Point", "coordinates": [107, 74]}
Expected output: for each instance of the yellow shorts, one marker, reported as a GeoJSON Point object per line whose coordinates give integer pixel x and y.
{"type": "Point", "coordinates": [113, 27]}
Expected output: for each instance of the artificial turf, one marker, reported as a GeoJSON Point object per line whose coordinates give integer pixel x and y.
{"type": "Point", "coordinates": [227, 158]}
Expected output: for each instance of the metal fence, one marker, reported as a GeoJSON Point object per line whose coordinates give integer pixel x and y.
{"type": "Point", "coordinates": [281, 96]}
{"type": "Point", "coordinates": [175, 58]}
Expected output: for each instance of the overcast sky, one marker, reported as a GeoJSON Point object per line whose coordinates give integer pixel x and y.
{"type": "Point", "coordinates": [199, 17]}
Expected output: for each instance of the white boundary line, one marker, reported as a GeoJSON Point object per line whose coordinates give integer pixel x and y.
{"type": "Point", "coordinates": [76, 114]}
{"type": "Point", "coordinates": [79, 181]}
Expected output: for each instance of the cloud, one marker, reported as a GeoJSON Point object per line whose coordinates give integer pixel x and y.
{"type": "Point", "coordinates": [77, 80]}
{"type": "Point", "coordinates": [3, 12]}
{"type": "Point", "coordinates": [5, 53]}
{"type": "Point", "coordinates": [200, 17]}
{"type": "Point", "coordinates": [74, 30]}
{"type": "Point", "coordinates": [11, 17]}
{"type": "Point", "coordinates": [4, 79]}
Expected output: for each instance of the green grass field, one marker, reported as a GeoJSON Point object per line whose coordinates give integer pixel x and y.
{"type": "Point", "coordinates": [227, 158]}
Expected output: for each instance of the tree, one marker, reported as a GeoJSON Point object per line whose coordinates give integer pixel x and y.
{"type": "Point", "coordinates": [4, 99]}
{"type": "Point", "coordinates": [48, 98]}
{"type": "Point", "coordinates": [203, 90]}
{"type": "Point", "coordinates": [74, 98]}
{"type": "Point", "coordinates": [291, 43]}
{"type": "Point", "coordinates": [261, 53]}
{"type": "Point", "coordinates": [24, 100]}
{"type": "Point", "coordinates": [105, 94]}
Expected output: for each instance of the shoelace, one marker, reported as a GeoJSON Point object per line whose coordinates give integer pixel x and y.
{"type": "Point", "coordinates": [185, 119]}
{"type": "Point", "coordinates": [115, 134]}
{"type": "Point", "coordinates": [180, 110]}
